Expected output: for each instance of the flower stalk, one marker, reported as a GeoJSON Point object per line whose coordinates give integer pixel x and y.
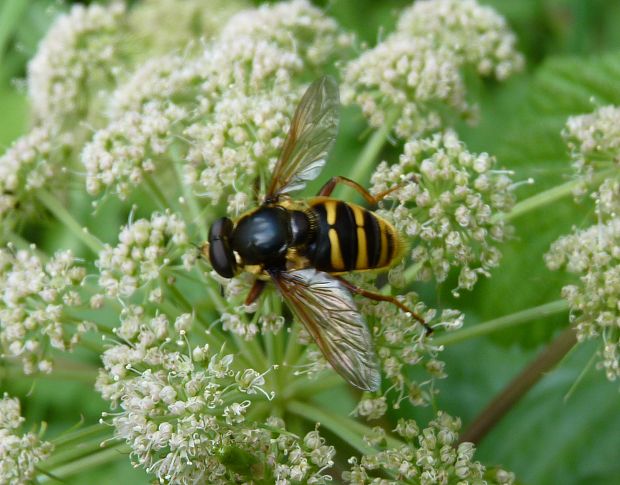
{"type": "Point", "coordinates": [520, 385]}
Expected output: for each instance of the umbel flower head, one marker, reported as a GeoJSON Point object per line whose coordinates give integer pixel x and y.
{"type": "Point", "coordinates": [594, 143]}
{"type": "Point", "coordinates": [413, 78]}
{"type": "Point", "coordinates": [594, 255]}
{"type": "Point", "coordinates": [145, 247]}
{"type": "Point", "coordinates": [448, 206]}
{"type": "Point", "coordinates": [19, 453]}
{"type": "Point", "coordinates": [427, 456]}
{"type": "Point", "coordinates": [78, 52]}
{"type": "Point", "coordinates": [184, 410]}
{"type": "Point", "coordinates": [36, 298]}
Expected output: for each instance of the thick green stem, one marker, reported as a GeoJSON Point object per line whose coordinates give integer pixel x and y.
{"type": "Point", "coordinates": [64, 216]}
{"type": "Point", "coordinates": [347, 429]}
{"type": "Point", "coordinates": [502, 323]}
{"type": "Point", "coordinates": [368, 159]}
{"type": "Point", "coordinates": [519, 386]}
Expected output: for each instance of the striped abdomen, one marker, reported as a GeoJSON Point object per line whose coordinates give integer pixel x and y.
{"type": "Point", "coordinates": [350, 238]}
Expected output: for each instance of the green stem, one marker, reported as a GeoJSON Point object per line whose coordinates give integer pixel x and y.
{"type": "Point", "coordinates": [549, 196]}
{"type": "Point", "coordinates": [347, 429]}
{"type": "Point", "coordinates": [11, 12]}
{"type": "Point", "coordinates": [502, 323]}
{"type": "Point", "coordinates": [519, 386]}
{"type": "Point", "coordinates": [293, 348]}
{"type": "Point", "coordinates": [86, 463]}
{"type": "Point", "coordinates": [307, 388]}
{"type": "Point", "coordinates": [161, 199]}
{"type": "Point", "coordinates": [79, 450]}
{"type": "Point", "coordinates": [188, 195]}
{"type": "Point", "coordinates": [64, 216]}
{"type": "Point", "coordinates": [79, 434]}
{"type": "Point", "coordinates": [368, 158]}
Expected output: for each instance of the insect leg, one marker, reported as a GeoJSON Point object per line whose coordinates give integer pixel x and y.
{"type": "Point", "coordinates": [379, 297]}
{"type": "Point", "coordinates": [255, 291]}
{"type": "Point", "coordinates": [329, 187]}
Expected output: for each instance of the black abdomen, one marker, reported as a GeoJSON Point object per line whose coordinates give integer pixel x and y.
{"type": "Point", "coordinates": [350, 238]}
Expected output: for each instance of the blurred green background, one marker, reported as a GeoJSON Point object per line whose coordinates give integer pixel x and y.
{"type": "Point", "coordinates": [573, 65]}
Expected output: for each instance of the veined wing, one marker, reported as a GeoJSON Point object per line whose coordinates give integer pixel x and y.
{"type": "Point", "coordinates": [326, 308]}
{"type": "Point", "coordinates": [312, 134]}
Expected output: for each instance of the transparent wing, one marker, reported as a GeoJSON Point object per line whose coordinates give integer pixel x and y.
{"type": "Point", "coordinates": [326, 308]}
{"type": "Point", "coordinates": [312, 134]}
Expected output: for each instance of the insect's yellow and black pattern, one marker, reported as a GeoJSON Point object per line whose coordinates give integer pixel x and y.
{"type": "Point", "coordinates": [352, 238]}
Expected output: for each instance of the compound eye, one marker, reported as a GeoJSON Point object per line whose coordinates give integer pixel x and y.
{"type": "Point", "coordinates": [221, 254]}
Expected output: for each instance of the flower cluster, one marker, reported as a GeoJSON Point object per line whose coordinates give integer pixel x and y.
{"type": "Point", "coordinates": [242, 140]}
{"type": "Point", "coordinates": [145, 247]}
{"type": "Point", "coordinates": [477, 34]}
{"type": "Point", "coordinates": [178, 23]}
{"type": "Point", "coordinates": [227, 106]}
{"type": "Point", "coordinates": [594, 255]}
{"type": "Point", "coordinates": [413, 78]}
{"type": "Point", "coordinates": [121, 154]}
{"type": "Point", "coordinates": [35, 298]}
{"type": "Point", "coordinates": [19, 454]}
{"type": "Point", "coordinates": [76, 53]}
{"type": "Point", "coordinates": [26, 166]}
{"type": "Point", "coordinates": [296, 27]}
{"type": "Point", "coordinates": [402, 344]}
{"type": "Point", "coordinates": [448, 206]}
{"type": "Point", "coordinates": [406, 78]}
{"type": "Point", "coordinates": [594, 143]}
{"type": "Point", "coordinates": [432, 455]}
{"type": "Point", "coordinates": [184, 410]}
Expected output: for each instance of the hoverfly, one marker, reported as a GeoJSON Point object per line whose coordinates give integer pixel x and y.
{"type": "Point", "coordinates": [304, 246]}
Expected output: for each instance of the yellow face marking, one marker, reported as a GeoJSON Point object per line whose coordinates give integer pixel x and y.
{"type": "Point", "coordinates": [383, 258]}
{"type": "Point", "coordinates": [358, 212]}
{"type": "Point", "coordinates": [330, 209]}
{"type": "Point", "coordinates": [362, 249]}
{"type": "Point", "coordinates": [336, 255]}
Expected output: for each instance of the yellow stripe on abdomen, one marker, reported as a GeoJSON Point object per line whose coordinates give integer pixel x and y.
{"type": "Point", "coordinates": [384, 257]}
{"type": "Point", "coordinates": [336, 255]}
{"type": "Point", "coordinates": [362, 249]}
{"type": "Point", "coordinates": [330, 210]}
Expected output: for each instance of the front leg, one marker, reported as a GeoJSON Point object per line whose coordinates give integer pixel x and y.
{"type": "Point", "coordinates": [255, 291]}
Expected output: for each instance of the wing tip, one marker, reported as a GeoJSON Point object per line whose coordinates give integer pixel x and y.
{"type": "Point", "coordinates": [372, 383]}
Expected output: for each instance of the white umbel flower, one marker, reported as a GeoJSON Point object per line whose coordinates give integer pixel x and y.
{"type": "Point", "coordinates": [593, 255]}
{"type": "Point", "coordinates": [447, 206]}
{"type": "Point", "coordinates": [19, 453]}
{"type": "Point", "coordinates": [79, 49]}
{"type": "Point", "coordinates": [34, 299]}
